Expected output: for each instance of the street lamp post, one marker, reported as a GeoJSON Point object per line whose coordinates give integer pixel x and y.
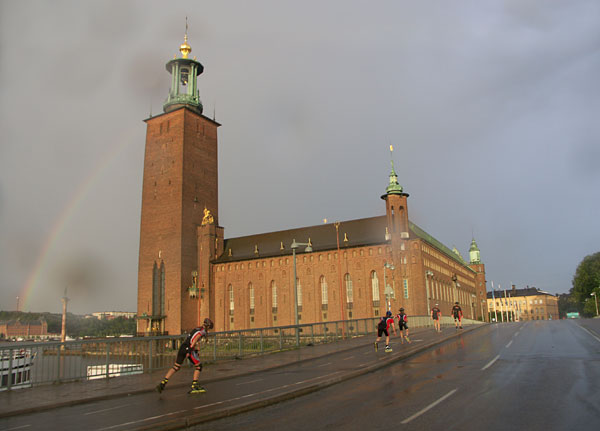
{"type": "Point", "coordinates": [596, 300]}
{"type": "Point", "coordinates": [308, 249]}
{"type": "Point", "coordinates": [388, 290]}
{"type": "Point", "coordinates": [427, 275]}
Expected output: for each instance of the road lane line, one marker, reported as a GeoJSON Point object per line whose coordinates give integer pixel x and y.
{"type": "Point", "coordinates": [349, 357]}
{"type": "Point", "coordinates": [324, 365]}
{"type": "Point", "coordinates": [586, 330]}
{"type": "Point", "coordinates": [106, 410]}
{"type": "Point", "coordinates": [142, 420]}
{"type": "Point", "coordinates": [265, 391]}
{"type": "Point", "coordinates": [489, 364]}
{"type": "Point", "coordinates": [210, 405]}
{"type": "Point", "coordinates": [247, 383]}
{"type": "Point", "coordinates": [509, 343]}
{"type": "Point", "coordinates": [17, 428]}
{"type": "Point", "coordinates": [429, 407]}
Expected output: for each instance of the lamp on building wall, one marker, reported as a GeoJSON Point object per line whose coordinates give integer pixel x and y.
{"type": "Point", "coordinates": [428, 274]}
{"type": "Point", "coordinates": [389, 292]}
{"type": "Point", "coordinates": [456, 286]}
{"type": "Point", "coordinates": [308, 249]}
{"type": "Point", "coordinates": [193, 289]}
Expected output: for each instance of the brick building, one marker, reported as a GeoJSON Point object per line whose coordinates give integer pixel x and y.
{"type": "Point", "coordinates": [523, 304]}
{"type": "Point", "coordinates": [16, 328]}
{"type": "Point", "coordinates": [188, 270]}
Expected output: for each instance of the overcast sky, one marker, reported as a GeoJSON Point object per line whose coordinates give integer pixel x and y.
{"type": "Point", "coordinates": [492, 108]}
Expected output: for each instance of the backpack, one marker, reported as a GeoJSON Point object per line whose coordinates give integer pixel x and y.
{"type": "Point", "coordinates": [382, 326]}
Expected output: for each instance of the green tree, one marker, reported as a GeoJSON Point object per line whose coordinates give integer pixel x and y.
{"type": "Point", "coordinates": [587, 277]}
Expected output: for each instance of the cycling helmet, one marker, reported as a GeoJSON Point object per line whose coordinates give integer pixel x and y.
{"type": "Point", "coordinates": [208, 323]}
{"type": "Point", "coordinates": [388, 314]}
{"type": "Point", "coordinates": [402, 309]}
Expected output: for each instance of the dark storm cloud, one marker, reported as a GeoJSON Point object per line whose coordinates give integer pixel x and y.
{"type": "Point", "coordinates": [491, 107]}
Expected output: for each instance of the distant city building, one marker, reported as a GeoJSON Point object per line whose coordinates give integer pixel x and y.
{"type": "Point", "coordinates": [113, 314]}
{"type": "Point", "coordinates": [524, 304]}
{"type": "Point", "coordinates": [16, 328]}
{"type": "Point", "coordinates": [188, 270]}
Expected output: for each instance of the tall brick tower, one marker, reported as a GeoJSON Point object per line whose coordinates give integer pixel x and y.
{"type": "Point", "coordinates": [477, 265]}
{"type": "Point", "coordinates": [179, 201]}
{"type": "Point", "coordinates": [396, 209]}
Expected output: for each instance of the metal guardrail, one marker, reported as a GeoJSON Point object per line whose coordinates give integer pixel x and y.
{"type": "Point", "coordinates": [31, 364]}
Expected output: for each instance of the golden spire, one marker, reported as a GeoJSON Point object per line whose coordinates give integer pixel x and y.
{"type": "Point", "coordinates": [185, 49]}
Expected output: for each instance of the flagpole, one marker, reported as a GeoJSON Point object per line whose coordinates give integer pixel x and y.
{"type": "Point", "coordinates": [494, 302]}
{"type": "Point", "coordinates": [507, 308]}
{"type": "Point", "coordinates": [501, 304]}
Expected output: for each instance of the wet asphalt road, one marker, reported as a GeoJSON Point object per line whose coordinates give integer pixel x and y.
{"type": "Point", "coordinates": [534, 375]}
{"type": "Point", "coordinates": [539, 375]}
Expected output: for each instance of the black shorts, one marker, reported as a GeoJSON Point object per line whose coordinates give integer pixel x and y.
{"type": "Point", "coordinates": [185, 352]}
{"type": "Point", "coordinates": [457, 318]}
{"type": "Point", "coordinates": [380, 332]}
{"type": "Point", "coordinates": [402, 326]}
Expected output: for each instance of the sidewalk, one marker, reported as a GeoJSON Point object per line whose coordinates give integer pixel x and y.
{"type": "Point", "coordinates": [46, 397]}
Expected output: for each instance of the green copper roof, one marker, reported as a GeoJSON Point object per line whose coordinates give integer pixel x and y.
{"type": "Point", "coordinates": [394, 188]}
{"type": "Point", "coordinates": [473, 246]}
{"type": "Point", "coordinates": [431, 240]}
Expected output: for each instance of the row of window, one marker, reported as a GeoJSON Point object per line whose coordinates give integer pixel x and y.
{"type": "Point", "coordinates": [286, 261]}
{"type": "Point", "coordinates": [324, 292]}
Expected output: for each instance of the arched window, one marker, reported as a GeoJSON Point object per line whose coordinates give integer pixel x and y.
{"type": "Point", "coordinates": [251, 296]}
{"type": "Point", "coordinates": [155, 290]}
{"type": "Point", "coordinates": [299, 293]}
{"type": "Point", "coordinates": [324, 298]}
{"type": "Point", "coordinates": [162, 288]}
{"type": "Point", "coordinates": [274, 296]}
{"type": "Point", "coordinates": [349, 290]}
{"type": "Point", "coordinates": [231, 301]}
{"type": "Point", "coordinates": [375, 288]}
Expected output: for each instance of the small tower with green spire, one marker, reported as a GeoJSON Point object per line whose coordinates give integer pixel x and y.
{"type": "Point", "coordinates": [474, 255]}
{"type": "Point", "coordinates": [396, 205]}
{"type": "Point", "coordinates": [184, 72]}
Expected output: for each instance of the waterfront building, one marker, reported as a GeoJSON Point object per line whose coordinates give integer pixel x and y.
{"type": "Point", "coordinates": [189, 270]}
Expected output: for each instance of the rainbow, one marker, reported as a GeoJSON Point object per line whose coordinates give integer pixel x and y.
{"type": "Point", "coordinates": [61, 222]}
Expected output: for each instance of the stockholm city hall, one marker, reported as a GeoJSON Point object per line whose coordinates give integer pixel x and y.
{"type": "Point", "coordinates": [188, 270]}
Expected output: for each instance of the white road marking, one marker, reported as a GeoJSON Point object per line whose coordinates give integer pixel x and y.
{"type": "Point", "coordinates": [509, 343]}
{"type": "Point", "coordinates": [349, 357]}
{"type": "Point", "coordinates": [17, 428]}
{"type": "Point", "coordinates": [429, 407]}
{"type": "Point", "coordinates": [141, 420]}
{"type": "Point", "coordinates": [106, 410]}
{"type": "Point", "coordinates": [586, 330]}
{"type": "Point", "coordinates": [489, 364]}
{"type": "Point", "coordinates": [247, 383]}
{"type": "Point", "coordinates": [324, 365]}
{"type": "Point", "coordinates": [265, 391]}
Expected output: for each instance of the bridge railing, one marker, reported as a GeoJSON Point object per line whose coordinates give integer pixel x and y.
{"type": "Point", "coordinates": [29, 364]}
